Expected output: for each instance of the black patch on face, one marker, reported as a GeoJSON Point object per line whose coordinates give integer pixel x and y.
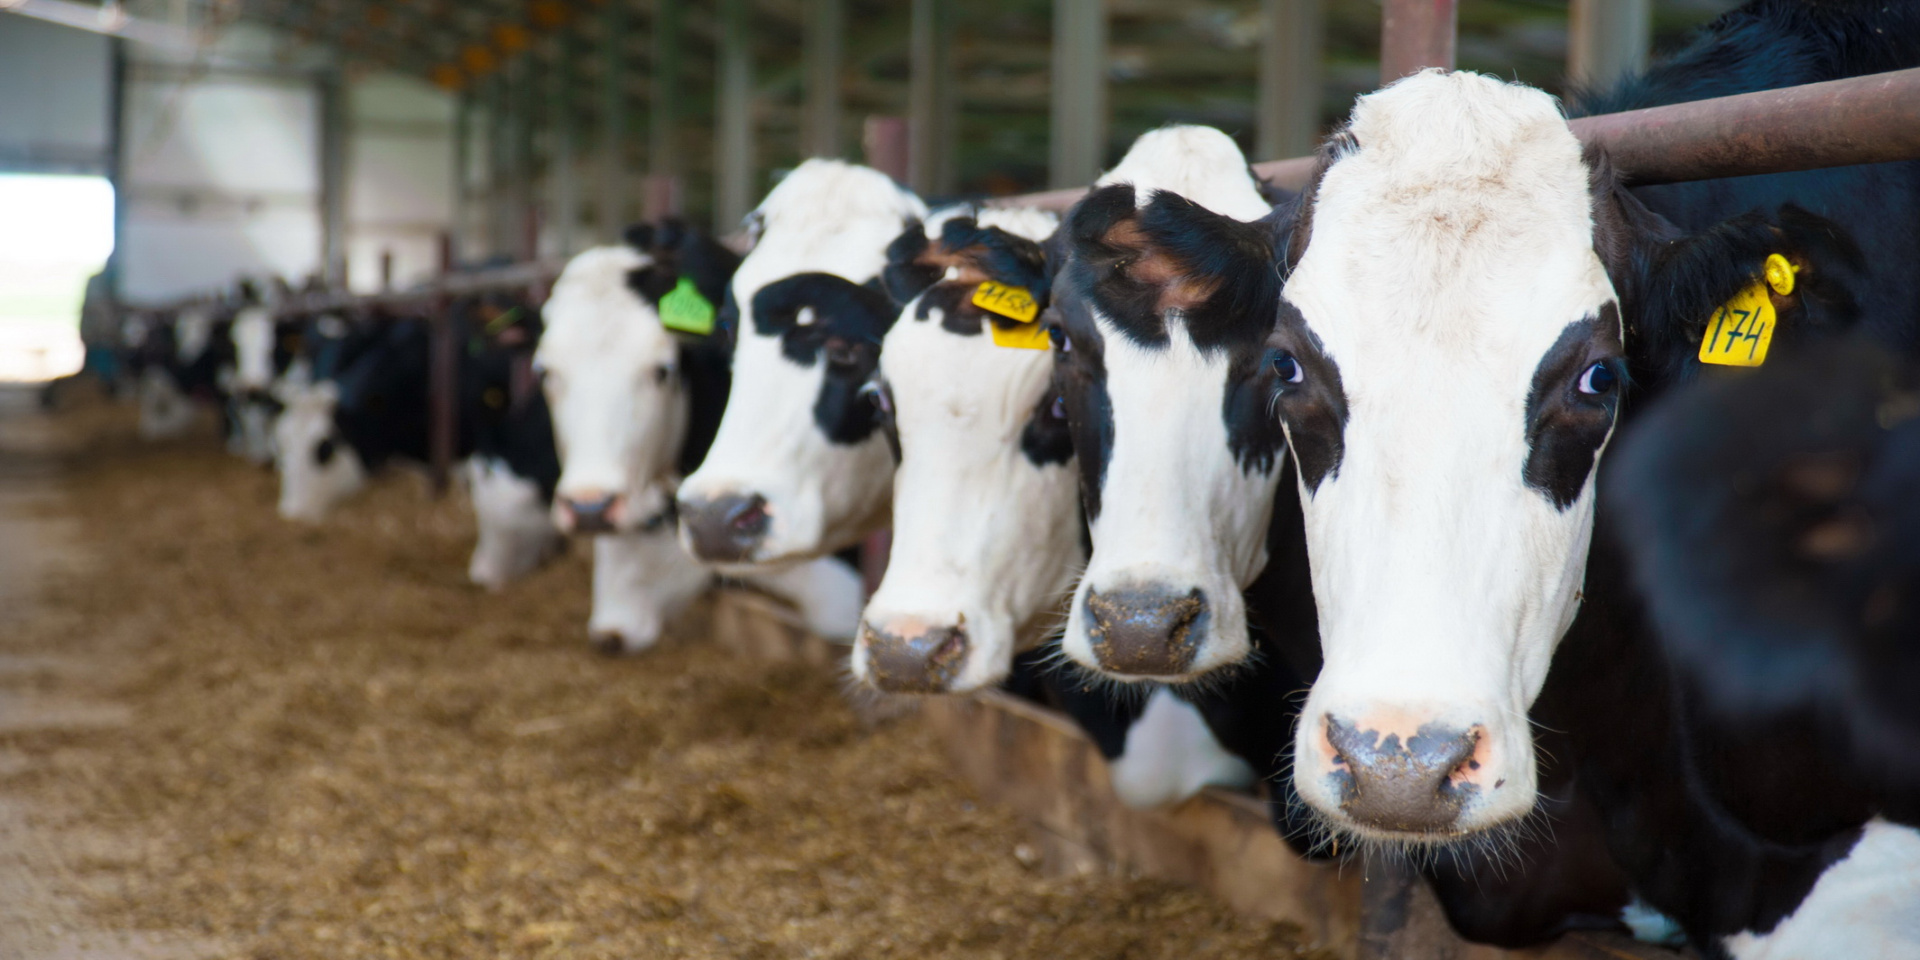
{"type": "Point", "coordinates": [958, 315]}
{"type": "Point", "coordinates": [652, 282]}
{"type": "Point", "coordinates": [1080, 380]}
{"type": "Point", "coordinates": [1315, 409]}
{"type": "Point", "coordinates": [1565, 427]}
{"type": "Point", "coordinates": [1047, 438]}
{"type": "Point", "coordinates": [323, 454]}
{"type": "Point", "coordinates": [849, 322]}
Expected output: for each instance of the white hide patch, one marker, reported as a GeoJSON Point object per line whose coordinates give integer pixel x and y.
{"type": "Point", "coordinates": [1176, 508]}
{"type": "Point", "coordinates": [981, 535]}
{"type": "Point", "coordinates": [610, 372]}
{"type": "Point", "coordinates": [826, 592]}
{"type": "Point", "coordinates": [1450, 250]}
{"type": "Point", "coordinates": [165, 412]}
{"type": "Point", "coordinates": [641, 581]}
{"type": "Point", "coordinates": [309, 489]}
{"type": "Point", "coordinates": [252, 335]}
{"type": "Point", "coordinates": [516, 534]}
{"type": "Point", "coordinates": [1171, 755]}
{"type": "Point", "coordinates": [825, 217]}
{"type": "Point", "coordinates": [1864, 907]}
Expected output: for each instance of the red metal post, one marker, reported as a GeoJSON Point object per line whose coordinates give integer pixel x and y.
{"type": "Point", "coordinates": [1416, 34]}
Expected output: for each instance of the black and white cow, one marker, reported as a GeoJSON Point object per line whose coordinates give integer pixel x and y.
{"type": "Point", "coordinates": [1462, 294]}
{"type": "Point", "coordinates": [798, 468]}
{"type": "Point", "coordinates": [266, 364]}
{"type": "Point", "coordinates": [515, 467]}
{"type": "Point", "coordinates": [634, 406]}
{"type": "Point", "coordinates": [178, 359]}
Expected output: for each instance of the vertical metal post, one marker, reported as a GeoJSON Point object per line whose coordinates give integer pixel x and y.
{"type": "Point", "coordinates": [885, 142]}
{"type": "Point", "coordinates": [460, 228]}
{"type": "Point", "coordinates": [502, 225]}
{"type": "Point", "coordinates": [826, 21]}
{"type": "Point", "coordinates": [443, 381]}
{"type": "Point", "coordinates": [612, 214]}
{"type": "Point", "coordinates": [733, 120]}
{"type": "Point", "coordinates": [526, 239]}
{"type": "Point", "coordinates": [930, 100]}
{"type": "Point", "coordinates": [1079, 133]}
{"type": "Point", "coordinates": [1289, 110]}
{"type": "Point", "coordinates": [663, 159]}
{"type": "Point", "coordinates": [1415, 35]}
{"type": "Point", "coordinates": [331, 92]}
{"type": "Point", "coordinates": [117, 171]}
{"type": "Point", "coordinates": [562, 182]}
{"type": "Point", "coordinates": [1607, 39]}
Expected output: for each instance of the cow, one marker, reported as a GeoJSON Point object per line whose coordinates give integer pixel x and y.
{"type": "Point", "coordinates": [798, 468]}
{"type": "Point", "coordinates": [633, 406]}
{"type": "Point", "coordinates": [178, 358]}
{"type": "Point", "coordinates": [1771, 525]}
{"type": "Point", "coordinates": [1462, 295]}
{"type": "Point", "coordinates": [514, 467]}
{"type": "Point", "coordinates": [266, 349]}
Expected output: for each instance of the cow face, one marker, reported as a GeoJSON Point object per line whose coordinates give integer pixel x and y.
{"type": "Point", "coordinates": [318, 467]}
{"type": "Point", "coordinates": [641, 582]}
{"type": "Point", "coordinates": [1178, 460]}
{"type": "Point", "coordinates": [612, 380]}
{"type": "Point", "coordinates": [510, 515]}
{"type": "Point", "coordinates": [986, 537]}
{"type": "Point", "coordinates": [797, 468]}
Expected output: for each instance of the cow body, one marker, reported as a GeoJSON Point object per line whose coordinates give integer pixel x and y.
{"type": "Point", "coordinates": [515, 466]}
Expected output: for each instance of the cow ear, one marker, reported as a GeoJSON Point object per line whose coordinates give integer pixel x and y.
{"type": "Point", "coordinates": [1001, 256]}
{"type": "Point", "coordinates": [905, 276]}
{"type": "Point", "coordinates": [652, 282]}
{"type": "Point", "coordinates": [1171, 254]}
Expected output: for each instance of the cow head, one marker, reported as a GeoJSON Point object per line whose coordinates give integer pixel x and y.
{"type": "Point", "coordinates": [1449, 353]}
{"type": "Point", "coordinates": [612, 379]}
{"type": "Point", "coordinates": [986, 534]}
{"type": "Point", "coordinates": [515, 533]}
{"type": "Point", "coordinates": [318, 467]}
{"type": "Point", "coordinates": [1160, 357]}
{"type": "Point", "coordinates": [798, 467]}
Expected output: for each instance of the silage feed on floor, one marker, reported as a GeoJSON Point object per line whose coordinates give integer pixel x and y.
{"type": "Point", "coordinates": [340, 749]}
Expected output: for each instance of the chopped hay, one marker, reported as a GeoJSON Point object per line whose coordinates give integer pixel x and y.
{"type": "Point", "coordinates": [341, 749]}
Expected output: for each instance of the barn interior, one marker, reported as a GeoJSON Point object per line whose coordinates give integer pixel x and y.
{"type": "Point", "coordinates": [224, 733]}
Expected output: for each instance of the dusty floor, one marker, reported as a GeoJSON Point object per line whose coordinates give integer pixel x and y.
{"type": "Point", "coordinates": [221, 735]}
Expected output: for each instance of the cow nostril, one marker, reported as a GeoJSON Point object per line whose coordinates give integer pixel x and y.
{"type": "Point", "coordinates": [1150, 631]}
{"type": "Point", "coordinates": [925, 661]}
{"type": "Point", "coordinates": [725, 529]}
{"type": "Point", "coordinates": [749, 517]}
{"type": "Point", "coordinates": [1418, 785]}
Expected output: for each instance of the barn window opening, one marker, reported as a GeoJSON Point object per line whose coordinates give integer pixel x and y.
{"type": "Point", "coordinates": [55, 234]}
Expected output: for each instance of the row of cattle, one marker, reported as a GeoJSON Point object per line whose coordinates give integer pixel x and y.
{"type": "Point", "coordinates": [1308, 489]}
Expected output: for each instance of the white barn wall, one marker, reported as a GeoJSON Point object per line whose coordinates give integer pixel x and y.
{"type": "Point", "coordinates": [399, 177]}
{"type": "Point", "coordinates": [55, 116]}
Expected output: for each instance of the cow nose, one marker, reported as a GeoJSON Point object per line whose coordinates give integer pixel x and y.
{"type": "Point", "coordinates": [725, 529]}
{"type": "Point", "coordinates": [1145, 631]}
{"type": "Point", "coordinates": [593, 513]}
{"type": "Point", "coordinates": [1415, 786]}
{"type": "Point", "coordinates": [912, 660]}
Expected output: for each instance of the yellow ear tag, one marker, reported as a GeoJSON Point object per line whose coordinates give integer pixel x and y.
{"type": "Point", "coordinates": [1742, 329]}
{"type": "Point", "coordinates": [1014, 303]}
{"type": "Point", "coordinates": [1021, 336]}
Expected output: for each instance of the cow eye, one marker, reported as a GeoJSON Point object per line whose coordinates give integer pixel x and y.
{"type": "Point", "coordinates": [1059, 409]}
{"type": "Point", "coordinates": [1061, 341]}
{"type": "Point", "coordinates": [1598, 380]}
{"type": "Point", "coordinates": [1285, 366]}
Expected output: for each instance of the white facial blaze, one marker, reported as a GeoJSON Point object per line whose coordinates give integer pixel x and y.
{"type": "Point", "coordinates": [1177, 511]}
{"type": "Point", "coordinates": [516, 534]}
{"type": "Point", "coordinates": [1449, 253]}
{"type": "Point", "coordinates": [641, 581]}
{"type": "Point", "coordinates": [825, 217]}
{"type": "Point", "coordinates": [982, 536]}
{"type": "Point", "coordinates": [612, 383]}
{"type": "Point", "coordinates": [317, 469]}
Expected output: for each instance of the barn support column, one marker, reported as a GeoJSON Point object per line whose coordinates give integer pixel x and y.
{"type": "Point", "coordinates": [612, 209]}
{"type": "Point", "coordinates": [563, 187]}
{"type": "Point", "coordinates": [930, 99]}
{"type": "Point", "coordinates": [457, 234]}
{"type": "Point", "coordinates": [332, 98]}
{"type": "Point", "coordinates": [733, 120]}
{"type": "Point", "coordinates": [1415, 35]}
{"type": "Point", "coordinates": [663, 198]}
{"type": "Point", "coordinates": [1607, 39]}
{"type": "Point", "coordinates": [526, 221]}
{"type": "Point", "coordinates": [1289, 109]}
{"type": "Point", "coordinates": [826, 26]}
{"type": "Point", "coordinates": [499, 168]}
{"type": "Point", "coordinates": [1078, 142]}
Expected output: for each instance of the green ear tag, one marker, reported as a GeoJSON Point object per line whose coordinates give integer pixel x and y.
{"type": "Point", "coordinates": [685, 310]}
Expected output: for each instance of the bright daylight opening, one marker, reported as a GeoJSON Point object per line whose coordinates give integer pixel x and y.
{"type": "Point", "coordinates": [55, 233]}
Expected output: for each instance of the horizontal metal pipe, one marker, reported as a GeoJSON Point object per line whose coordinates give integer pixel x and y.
{"type": "Point", "coordinates": [1871, 119]}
